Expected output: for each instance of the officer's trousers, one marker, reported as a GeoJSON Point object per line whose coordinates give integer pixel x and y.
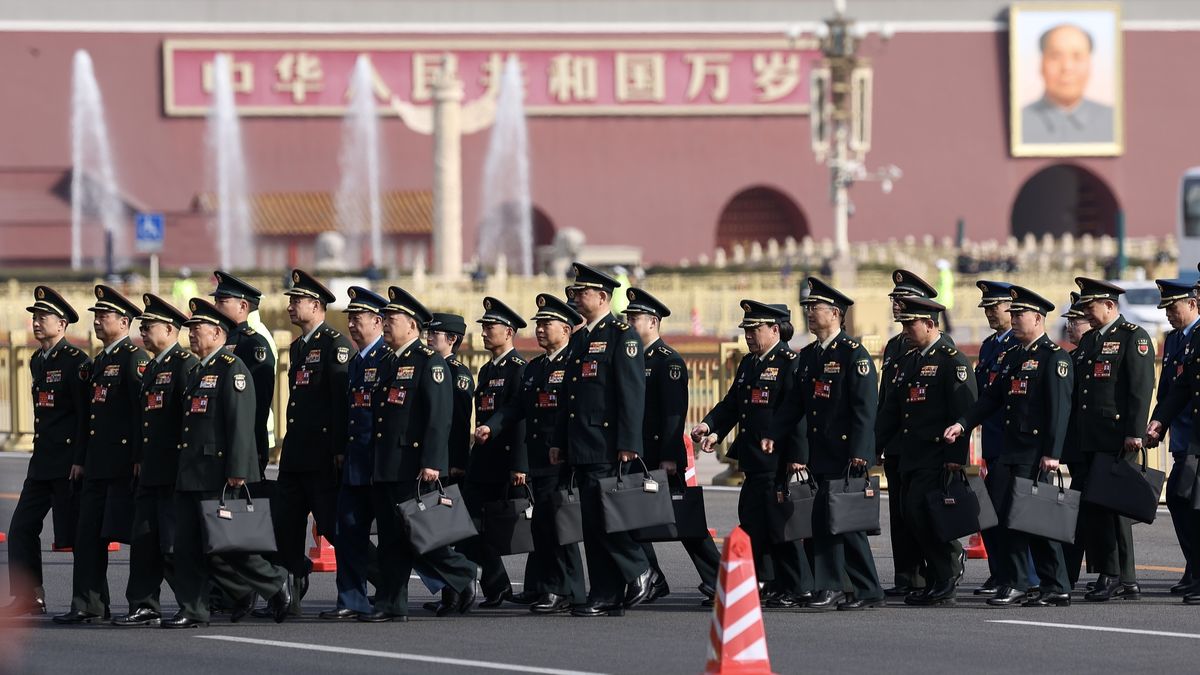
{"type": "Point", "coordinates": [942, 558]}
{"type": "Point", "coordinates": [25, 531]}
{"type": "Point", "coordinates": [838, 557]}
{"type": "Point", "coordinates": [907, 551]}
{"type": "Point", "coordinates": [298, 493]}
{"type": "Point", "coordinates": [551, 568]}
{"type": "Point", "coordinates": [493, 578]}
{"type": "Point", "coordinates": [1109, 537]}
{"type": "Point", "coordinates": [89, 578]}
{"type": "Point", "coordinates": [1047, 554]}
{"type": "Point", "coordinates": [1185, 519]}
{"type": "Point", "coordinates": [613, 560]}
{"type": "Point", "coordinates": [150, 562]}
{"type": "Point", "coordinates": [356, 511]}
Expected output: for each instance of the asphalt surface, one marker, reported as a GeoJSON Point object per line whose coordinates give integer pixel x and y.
{"type": "Point", "coordinates": [669, 636]}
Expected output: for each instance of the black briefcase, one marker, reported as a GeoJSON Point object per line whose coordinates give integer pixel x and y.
{"type": "Point", "coordinates": [65, 502]}
{"type": "Point", "coordinates": [117, 524]}
{"type": "Point", "coordinates": [1044, 509]}
{"type": "Point", "coordinates": [690, 520]}
{"type": "Point", "coordinates": [953, 510]}
{"type": "Point", "coordinates": [635, 500]}
{"type": "Point", "coordinates": [567, 511]}
{"type": "Point", "coordinates": [1125, 487]}
{"type": "Point", "coordinates": [853, 502]}
{"type": "Point", "coordinates": [987, 510]}
{"type": "Point", "coordinates": [237, 526]}
{"type": "Point", "coordinates": [508, 524]}
{"type": "Point", "coordinates": [436, 518]}
{"type": "Point", "coordinates": [790, 509]}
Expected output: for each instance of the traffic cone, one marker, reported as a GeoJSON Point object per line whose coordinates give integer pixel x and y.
{"type": "Point", "coordinates": [3, 537]}
{"type": "Point", "coordinates": [113, 547]}
{"type": "Point", "coordinates": [737, 642]}
{"type": "Point", "coordinates": [322, 554]}
{"type": "Point", "coordinates": [689, 474]}
{"type": "Point", "coordinates": [975, 548]}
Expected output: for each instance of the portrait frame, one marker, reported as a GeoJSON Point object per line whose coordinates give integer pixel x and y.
{"type": "Point", "coordinates": [1096, 124]}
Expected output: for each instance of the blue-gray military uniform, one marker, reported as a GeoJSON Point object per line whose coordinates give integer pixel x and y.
{"type": "Point", "coordinates": [836, 395]}
{"type": "Point", "coordinates": [60, 424]}
{"type": "Point", "coordinates": [114, 434]}
{"type": "Point", "coordinates": [151, 548]}
{"type": "Point", "coordinates": [356, 555]}
{"type": "Point", "coordinates": [1034, 393]}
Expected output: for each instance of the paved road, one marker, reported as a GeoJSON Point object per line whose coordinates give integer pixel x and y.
{"type": "Point", "coordinates": [667, 637]}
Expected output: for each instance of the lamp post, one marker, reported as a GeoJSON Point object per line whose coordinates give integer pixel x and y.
{"type": "Point", "coordinates": [840, 90]}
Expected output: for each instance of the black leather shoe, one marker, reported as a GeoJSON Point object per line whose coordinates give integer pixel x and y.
{"type": "Point", "coordinates": [1049, 600]}
{"type": "Point", "coordinates": [21, 606]}
{"type": "Point", "coordinates": [432, 605]}
{"type": "Point", "coordinates": [264, 612]}
{"type": "Point", "coordinates": [526, 598]}
{"type": "Point", "coordinates": [342, 614]}
{"type": "Point", "coordinates": [1100, 582]}
{"type": "Point", "coordinates": [939, 594]}
{"type": "Point", "coordinates": [299, 587]}
{"type": "Point", "coordinates": [658, 588]}
{"type": "Point", "coordinates": [1183, 587]}
{"type": "Point", "coordinates": [639, 589]}
{"type": "Point", "coordinates": [599, 609]}
{"type": "Point", "coordinates": [1007, 596]}
{"type": "Point", "coordinates": [765, 596]}
{"type": "Point", "coordinates": [179, 621]}
{"type": "Point", "coordinates": [860, 604]}
{"type": "Point", "coordinates": [144, 616]}
{"type": "Point", "coordinates": [76, 617]}
{"type": "Point", "coordinates": [302, 584]}
{"type": "Point", "coordinates": [551, 603]}
{"type": "Point", "coordinates": [1128, 592]}
{"type": "Point", "coordinates": [280, 604]}
{"type": "Point", "coordinates": [492, 602]}
{"type": "Point", "coordinates": [453, 601]}
{"type": "Point", "coordinates": [1103, 593]}
{"type": "Point", "coordinates": [382, 617]}
{"type": "Point", "coordinates": [707, 591]}
{"type": "Point", "coordinates": [901, 591]}
{"type": "Point", "coordinates": [783, 601]}
{"type": "Point", "coordinates": [241, 609]}
{"type": "Point", "coordinates": [988, 588]}
{"type": "Point", "coordinates": [826, 600]}
{"type": "Point", "coordinates": [962, 565]}
{"type": "Point", "coordinates": [1192, 598]}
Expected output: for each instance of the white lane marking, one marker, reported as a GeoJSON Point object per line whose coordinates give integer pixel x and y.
{"type": "Point", "coordinates": [492, 665]}
{"type": "Point", "coordinates": [1101, 629]}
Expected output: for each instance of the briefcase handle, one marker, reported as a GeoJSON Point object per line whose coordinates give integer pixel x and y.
{"type": "Point", "coordinates": [621, 469]}
{"type": "Point", "coordinates": [528, 491]}
{"type": "Point", "coordinates": [802, 476]}
{"type": "Point", "coordinates": [866, 476]}
{"type": "Point", "coordinates": [245, 488]}
{"type": "Point", "coordinates": [571, 487]}
{"type": "Point", "coordinates": [437, 482]}
{"type": "Point", "coordinates": [1062, 484]}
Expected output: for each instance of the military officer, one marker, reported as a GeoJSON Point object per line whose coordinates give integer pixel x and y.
{"type": "Point", "coordinates": [933, 386]}
{"type": "Point", "coordinates": [237, 299]}
{"type": "Point", "coordinates": [663, 428]}
{"type": "Point", "coordinates": [754, 400]}
{"type": "Point", "coordinates": [445, 336]}
{"type": "Point", "coordinates": [598, 429]}
{"type": "Point", "coordinates": [906, 549]}
{"type": "Point", "coordinates": [317, 416]}
{"type": "Point", "coordinates": [1112, 403]}
{"type": "Point", "coordinates": [1034, 389]}
{"type": "Point", "coordinates": [156, 464]}
{"type": "Point", "coordinates": [1181, 400]}
{"type": "Point", "coordinates": [994, 300]}
{"type": "Point", "coordinates": [217, 452]}
{"type": "Point", "coordinates": [105, 462]}
{"type": "Point", "coordinates": [1076, 326]}
{"type": "Point", "coordinates": [413, 408]}
{"type": "Point", "coordinates": [497, 461]}
{"type": "Point", "coordinates": [553, 572]}
{"type": "Point", "coordinates": [355, 510]}
{"type": "Point", "coordinates": [60, 373]}
{"type": "Point", "coordinates": [835, 395]}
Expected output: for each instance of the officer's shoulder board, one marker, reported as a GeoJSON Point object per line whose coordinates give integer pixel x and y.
{"type": "Point", "coordinates": [1131, 327]}
{"type": "Point", "coordinates": [911, 350]}
{"type": "Point", "coordinates": [1052, 346]}
{"type": "Point", "coordinates": [332, 332]}
{"type": "Point", "coordinates": [249, 331]}
{"type": "Point", "coordinates": [949, 350]}
{"type": "Point", "coordinates": [424, 350]}
{"type": "Point", "coordinates": [228, 358]}
{"type": "Point", "coordinates": [787, 354]}
{"type": "Point", "coordinates": [131, 347]}
{"type": "Point", "coordinates": [518, 360]}
{"type": "Point", "coordinates": [851, 343]}
{"type": "Point", "coordinates": [621, 325]}
{"type": "Point", "coordinates": [665, 350]}
{"type": "Point", "coordinates": [453, 360]}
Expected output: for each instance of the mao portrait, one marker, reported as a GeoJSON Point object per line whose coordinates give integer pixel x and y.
{"type": "Point", "coordinates": [1065, 88]}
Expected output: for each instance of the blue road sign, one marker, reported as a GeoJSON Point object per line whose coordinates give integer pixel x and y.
{"type": "Point", "coordinates": [149, 227]}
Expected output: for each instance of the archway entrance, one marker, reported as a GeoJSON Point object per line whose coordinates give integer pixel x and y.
{"type": "Point", "coordinates": [1063, 199]}
{"type": "Point", "coordinates": [759, 214]}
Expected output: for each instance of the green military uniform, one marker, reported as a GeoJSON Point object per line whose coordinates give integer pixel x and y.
{"type": "Point", "coordinates": [255, 351]}
{"type": "Point", "coordinates": [216, 444]}
{"type": "Point", "coordinates": [752, 405]}
{"type": "Point", "coordinates": [605, 385]}
{"type": "Point", "coordinates": [114, 434]}
{"type": "Point", "coordinates": [663, 434]}
{"type": "Point", "coordinates": [489, 471]}
{"type": "Point", "coordinates": [837, 396]}
{"type": "Point", "coordinates": [1112, 403]}
{"type": "Point", "coordinates": [553, 572]}
{"type": "Point", "coordinates": [60, 424]}
{"type": "Point", "coordinates": [931, 389]}
{"type": "Point", "coordinates": [413, 407]}
{"type": "Point", "coordinates": [1034, 392]}
{"type": "Point", "coordinates": [151, 550]}
{"type": "Point", "coordinates": [1073, 455]}
{"type": "Point", "coordinates": [909, 565]}
{"type": "Point", "coordinates": [317, 418]}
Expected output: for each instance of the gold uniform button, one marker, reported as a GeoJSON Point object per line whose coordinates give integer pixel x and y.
{"type": "Point", "coordinates": [572, 415]}
{"type": "Point", "coordinates": [92, 432]}
{"type": "Point", "coordinates": [378, 435]}
{"type": "Point", "coordinates": [291, 421]}
{"type": "Point", "coordinates": [1035, 432]}
{"type": "Point", "coordinates": [606, 425]}
{"type": "Point", "coordinates": [843, 437]}
{"type": "Point", "coordinates": [220, 454]}
{"type": "Point", "coordinates": [1117, 416]}
{"type": "Point", "coordinates": [145, 424]}
{"type": "Point", "coordinates": [93, 416]}
{"type": "Point", "coordinates": [144, 439]}
{"type": "Point", "coordinates": [416, 445]}
{"type": "Point", "coordinates": [184, 445]}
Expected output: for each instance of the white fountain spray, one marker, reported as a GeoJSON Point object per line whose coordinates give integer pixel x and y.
{"type": "Point", "coordinates": [235, 240]}
{"type": "Point", "coordinates": [93, 178]}
{"type": "Point", "coordinates": [358, 200]}
{"type": "Point", "coordinates": [506, 228]}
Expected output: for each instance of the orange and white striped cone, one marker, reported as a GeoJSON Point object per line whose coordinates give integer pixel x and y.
{"type": "Point", "coordinates": [689, 474]}
{"type": "Point", "coordinates": [3, 537]}
{"type": "Point", "coordinates": [323, 557]}
{"type": "Point", "coordinates": [975, 548]}
{"type": "Point", "coordinates": [737, 641]}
